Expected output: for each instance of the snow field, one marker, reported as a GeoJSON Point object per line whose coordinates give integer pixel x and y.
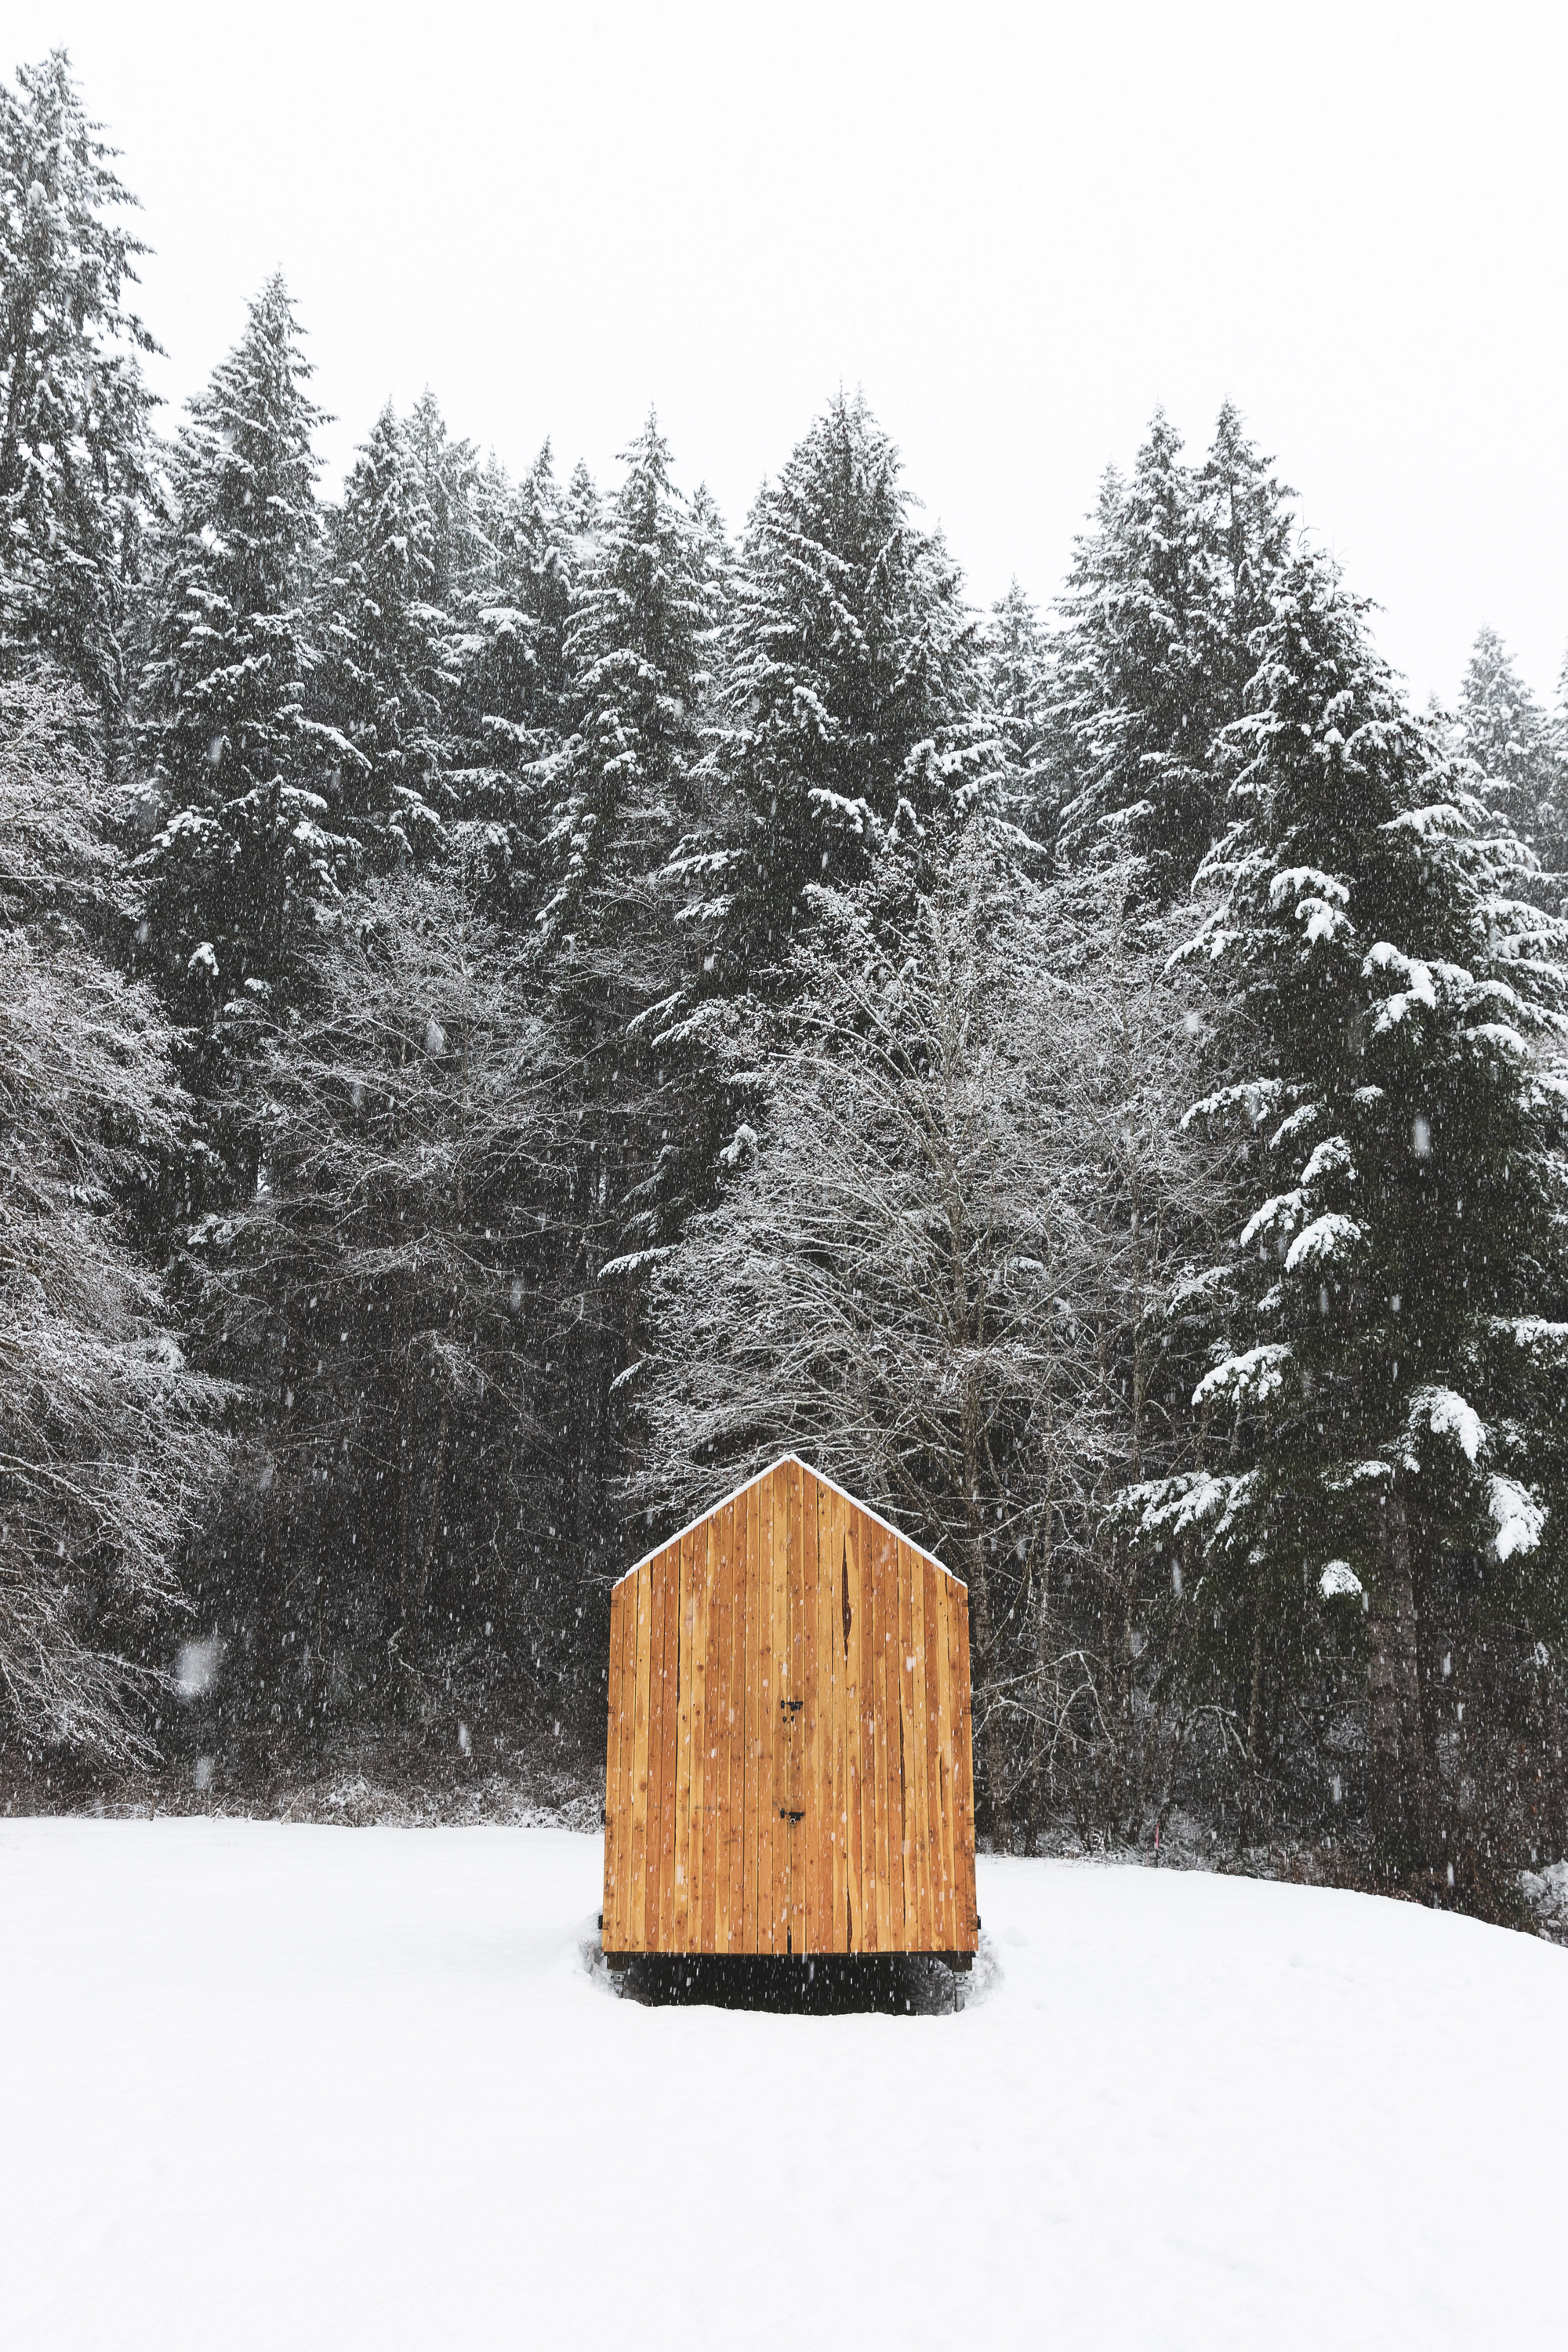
{"type": "Point", "coordinates": [266, 2086]}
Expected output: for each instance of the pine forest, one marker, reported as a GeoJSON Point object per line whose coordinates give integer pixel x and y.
{"type": "Point", "coordinates": [525, 998]}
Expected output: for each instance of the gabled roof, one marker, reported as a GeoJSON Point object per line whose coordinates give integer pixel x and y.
{"type": "Point", "coordinates": [755, 1479]}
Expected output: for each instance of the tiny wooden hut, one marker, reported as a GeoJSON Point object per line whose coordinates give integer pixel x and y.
{"type": "Point", "coordinates": [789, 1767]}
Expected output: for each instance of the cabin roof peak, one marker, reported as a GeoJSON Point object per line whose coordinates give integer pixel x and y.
{"type": "Point", "coordinates": [767, 1472]}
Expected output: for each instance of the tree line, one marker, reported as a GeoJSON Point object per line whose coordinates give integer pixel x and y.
{"type": "Point", "coordinates": [521, 1005]}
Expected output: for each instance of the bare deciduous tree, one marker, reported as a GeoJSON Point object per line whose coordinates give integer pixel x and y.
{"type": "Point", "coordinates": [104, 1451]}
{"type": "Point", "coordinates": [938, 1268]}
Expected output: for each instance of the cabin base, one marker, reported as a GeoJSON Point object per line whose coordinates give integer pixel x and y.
{"type": "Point", "coordinates": [918, 1984]}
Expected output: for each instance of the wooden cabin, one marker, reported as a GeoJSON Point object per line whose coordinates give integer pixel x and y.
{"type": "Point", "coordinates": [789, 1767]}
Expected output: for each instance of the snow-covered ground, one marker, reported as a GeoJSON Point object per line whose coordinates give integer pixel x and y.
{"type": "Point", "coordinates": [277, 2087]}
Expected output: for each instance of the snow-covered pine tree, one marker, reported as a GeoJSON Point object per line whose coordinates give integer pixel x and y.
{"type": "Point", "coordinates": [382, 678]}
{"type": "Point", "coordinates": [510, 654]}
{"type": "Point", "coordinates": [1244, 531]}
{"type": "Point", "coordinates": [1138, 724]}
{"type": "Point", "coordinates": [1504, 729]}
{"type": "Point", "coordinates": [1383, 1410]}
{"type": "Point", "coordinates": [584, 505]}
{"type": "Point", "coordinates": [638, 1126]}
{"type": "Point", "coordinates": [449, 475]}
{"type": "Point", "coordinates": [1017, 654]}
{"type": "Point", "coordinates": [1152, 656]}
{"type": "Point", "coordinates": [73, 408]}
{"type": "Point", "coordinates": [244, 851]}
{"type": "Point", "coordinates": [639, 643]}
{"type": "Point", "coordinates": [851, 703]}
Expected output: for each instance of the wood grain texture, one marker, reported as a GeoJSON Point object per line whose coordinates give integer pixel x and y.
{"type": "Point", "coordinates": [912, 1607]}
{"type": "Point", "coordinates": [862, 1937]}
{"type": "Point", "coordinates": [838, 1611]}
{"type": "Point", "coordinates": [686, 1618]}
{"type": "Point", "coordinates": [809, 1835]}
{"type": "Point", "coordinates": [658, 1577]}
{"type": "Point", "coordinates": [783, 1726]}
{"type": "Point", "coordinates": [699, 1732]}
{"type": "Point", "coordinates": [669, 1694]}
{"type": "Point", "coordinates": [752, 1502]}
{"type": "Point", "coordinates": [788, 1739]}
{"type": "Point", "coordinates": [640, 1761]}
{"type": "Point", "coordinates": [968, 1924]}
{"type": "Point", "coordinates": [798, 1841]}
{"type": "Point", "coordinates": [944, 1748]}
{"type": "Point", "coordinates": [881, 1725]}
{"type": "Point", "coordinates": [709, 1646]}
{"type": "Point", "coordinates": [768, 1708]}
{"type": "Point", "coordinates": [609, 1901]}
{"type": "Point", "coordinates": [722, 1726]}
{"type": "Point", "coordinates": [628, 1759]}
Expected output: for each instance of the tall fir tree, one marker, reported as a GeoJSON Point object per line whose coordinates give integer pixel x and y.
{"type": "Point", "coordinates": [1381, 1416]}
{"type": "Point", "coordinates": [852, 708]}
{"type": "Point", "coordinates": [246, 850]}
{"type": "Point", "coordinates": [510, 707]}
{"type": "Point", "coordinates": [1161, 601]}
{"type": "Point", "coordinates": [74, 480]}
{"type": "Point", "coordinates": [1506, 732]}
{"type": "Point", "coordinates": [1018, 664]}
{"type": "Point", "coordinates": [639, 643]}
{"type": "Point", "coordinates": [583, 503]}
{"type": "Point", "coordinates": [383, 679]}
{"type": "Point", "coordinates": [1244, 531]}
{"type": "Point", "coordinates": [448, 473]}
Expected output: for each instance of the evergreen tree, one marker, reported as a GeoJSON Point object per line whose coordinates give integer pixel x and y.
{"type": "Point", "coordinates": [1243, 532]}
{"type": "Point", "coordinates": [583, 503]}
{"type": "Point", "coordinates": [1018, 698]}
{"type": "Point", "coordinates": [1380, 1414]}
{"type": "Point", "coordinates": [449, 475]}
{"type": "Point", "coordinates": [73, 407]}
{"type": "Point", "coordinates": [244, 851]}
{"type": "Point", "coordinates": [1139, 724]}
{"type": "Point", "coordinates": [638, 642]}
{"type": "Point", "coordinates": [382, 679]}
{"type": "Point", "coordinates": [1161, 605]}
{"type": "Point", "coordinates": [851, 704]}
{"type": "Point", "coordinates": [1505, 731]}
{"type": "Point", "coordinates": [510, 654]}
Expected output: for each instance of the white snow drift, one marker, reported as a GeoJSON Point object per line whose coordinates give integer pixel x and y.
{"type": "Point", "coordinates": [270, 2086]}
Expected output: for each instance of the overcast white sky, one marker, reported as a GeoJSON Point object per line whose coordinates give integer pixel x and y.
{"type": "Point", "coordinates": [1016, 227]}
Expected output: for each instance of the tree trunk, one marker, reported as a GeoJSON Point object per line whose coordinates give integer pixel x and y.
{"type": "Point", "coordinates": [1396, 1764]}
{"type": "Point", "coordinates": [1557, 1774]}
{"type": "Point", "coordinates": [423, 1585]}
{"type": "Point", "coordinates": [1254, 1712]}
{"type": "Point", "coordinates": [995, 1762]}
{"type": "Point", "coordinates": [1043, 1662]}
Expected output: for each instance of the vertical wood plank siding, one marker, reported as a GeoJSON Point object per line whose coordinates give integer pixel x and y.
{"type": "Point", "coordinates": [788, 1759]}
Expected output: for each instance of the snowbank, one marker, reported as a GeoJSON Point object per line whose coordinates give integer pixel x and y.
{"type": "Point", "coordinates": [269, 2085]}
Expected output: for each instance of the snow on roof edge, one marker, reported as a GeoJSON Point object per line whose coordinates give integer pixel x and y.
{"type": "Point", "coordinates": [823, 1480]}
